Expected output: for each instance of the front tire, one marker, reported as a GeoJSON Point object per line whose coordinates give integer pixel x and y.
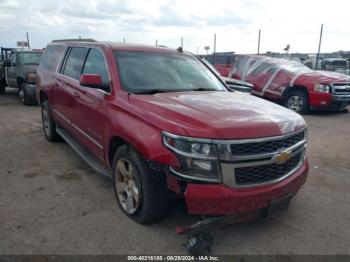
{"type": "Point", "coordinates": [297, 101]}
{"type": "Point", "coordinates": [49, 124]}
{"type": "Point", "coordinates": [141, 194]}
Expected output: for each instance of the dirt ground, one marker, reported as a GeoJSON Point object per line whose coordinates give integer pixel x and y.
{"type": "Point", "coordinates": [51, 202]}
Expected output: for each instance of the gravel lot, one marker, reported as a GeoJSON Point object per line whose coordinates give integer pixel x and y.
{"type": "Point", "coordinates": [51, 202]}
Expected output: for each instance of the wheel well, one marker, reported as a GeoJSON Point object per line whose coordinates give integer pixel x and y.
{"type": "Point", "coordinates": [43, 97]}
{"type": "Point", "coordinates": [114, 144]}
{"type": "Point", "coordinates": [295, 88]}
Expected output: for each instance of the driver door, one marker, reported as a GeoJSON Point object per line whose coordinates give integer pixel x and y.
{"type": "Point", "coordinates": [10, 72]}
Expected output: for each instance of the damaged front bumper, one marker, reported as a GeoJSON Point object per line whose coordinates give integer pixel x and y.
{"type": "Point", "coordinates": [219, 200]}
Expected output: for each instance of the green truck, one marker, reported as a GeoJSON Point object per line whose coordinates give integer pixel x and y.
{"type": "Point", "coordinates": [18, 70]}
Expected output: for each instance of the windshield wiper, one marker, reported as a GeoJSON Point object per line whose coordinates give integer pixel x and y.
{"type": "Point", "coordinates": [202, 89]}
{"type": "Point", "coordinates": [152, 91]}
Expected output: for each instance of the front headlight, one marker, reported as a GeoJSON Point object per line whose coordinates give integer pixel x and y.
{"type": "Point", "coordinates": [321, 88]}
{"type": "Point", "coordinates": [198, 157]}
{"type": "Point", "coordinates": [31, 77]}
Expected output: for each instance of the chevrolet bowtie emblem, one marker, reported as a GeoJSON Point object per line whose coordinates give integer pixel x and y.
{"type": "Point", "coordinates": [282, 158]}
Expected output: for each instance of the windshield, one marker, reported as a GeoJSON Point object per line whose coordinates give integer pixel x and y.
{"type": "Point", "coordinates": [27, 58]}
{"type": "Point", "coordinates": [145, 72]}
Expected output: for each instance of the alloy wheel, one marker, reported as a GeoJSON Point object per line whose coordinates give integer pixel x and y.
{"type": "Point", "coordinates": [295, 103]}
{"type": "Point", "coordinates": [45, 119]}
{"type": "Point", "coordinates": [127, 186]}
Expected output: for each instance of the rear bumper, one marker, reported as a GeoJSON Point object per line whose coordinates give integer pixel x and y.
{"type": "Point", "coordinates": [210, 199]}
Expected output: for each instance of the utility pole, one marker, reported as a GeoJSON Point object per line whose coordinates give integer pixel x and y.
{"type": "Point", "coordinates": [182, 42]}
{"type": "Point", "coordinates": [259, 41]}
{"type": "Point", "coordinates": [319, 48]}
{"type": "Point", "coordinates": [28, 40]}
{"type": "Point", "coordinates": [214, 55]}
{"type": "Point", "coordinates": [156, 42]}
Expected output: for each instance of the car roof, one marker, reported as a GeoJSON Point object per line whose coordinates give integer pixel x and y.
{"type": "Point", "coordinates": [116, 46]}
{"type": "Point", "coordinates": [27, 51]}
{"type": "Point", "coordinates": [273, 60]}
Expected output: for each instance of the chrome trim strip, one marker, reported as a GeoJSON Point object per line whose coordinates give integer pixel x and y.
{"type": "Point", "coordinates": [265, 155]}
{"type": "Point", "coordinates": [229, 176]}
{"type": "Point", "coordinates": [272, 160]}
{"type": "Point", "coordinates": [193, 177]}
{"type": "Point", "coordinates": [77, 128]}
{"type": "Point", "coordinates": [225, 154]}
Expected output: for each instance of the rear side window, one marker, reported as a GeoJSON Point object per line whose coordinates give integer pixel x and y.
{"type": "Point", "coordinates": [48, 60]}
{"type": "Point", "coordinates": [95, 64]}
{"type": "Point", "coordinates": [74, 63]}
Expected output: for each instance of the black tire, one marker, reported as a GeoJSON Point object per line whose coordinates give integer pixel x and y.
{"type": "Point", "coordinates": [153, 192]}
{"type": "Point", "coordinates": [298, 101]}
{"type": "Point", "coordinates": [26, 99]}
{"type": "Point", "coordinates": [2, 87]}
{"type": "Point", "coordinates": [49, 124]}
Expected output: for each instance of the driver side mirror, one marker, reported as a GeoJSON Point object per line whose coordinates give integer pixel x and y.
{"type": "Point", "coordinates": [7, 63]}
{"type": "Point", "coordinates": [93, 81]}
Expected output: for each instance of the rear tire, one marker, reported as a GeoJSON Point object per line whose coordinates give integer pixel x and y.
{"type": "Point", "coordinates": [2, 87]}
{"type": "Point", "coordinates": [297, 101]}
{"type": "Point", "coordinates": [26, 99]}
{"type": "Point", "coordinates": [141, 194]}
{"type": "Point", "coordinates": [49, 124]}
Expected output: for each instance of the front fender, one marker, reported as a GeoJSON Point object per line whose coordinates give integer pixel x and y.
{"type": "Point", "coordinates": [144, 137]}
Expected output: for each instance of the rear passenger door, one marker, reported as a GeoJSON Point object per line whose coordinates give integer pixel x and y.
{"type": "Point", "coordinates": [92, 104]}
{"type": "Point", "coordinates": [66, 93]}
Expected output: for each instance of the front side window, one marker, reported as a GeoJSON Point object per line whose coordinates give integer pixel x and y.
{"type": "Point", "coordinates": [95, 64]}
{"type": "Point", "coordinates": [143, 72]}
{"type": "Point", "coordinates": [29, 58]}
{"type": "Point", "coordinates": [13, 59]}
{"type": "Point", "coordinates": [74, 63]}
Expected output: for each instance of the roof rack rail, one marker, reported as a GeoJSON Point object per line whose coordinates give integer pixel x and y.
{"type": "Point", "coordinates": [74, 40]}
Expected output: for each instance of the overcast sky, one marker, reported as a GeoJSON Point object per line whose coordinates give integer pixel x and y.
{"type": "Point", "coordinates": [236, 23]}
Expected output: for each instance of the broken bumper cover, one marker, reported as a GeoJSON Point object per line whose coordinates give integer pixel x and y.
{"type": "Point", "coordinates": [218, 199]}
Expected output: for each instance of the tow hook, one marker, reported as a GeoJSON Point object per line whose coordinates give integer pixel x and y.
{"type": "Point", "coordinates": [201, 234]}
{"type": "Point", "coordinates": [197, 244]}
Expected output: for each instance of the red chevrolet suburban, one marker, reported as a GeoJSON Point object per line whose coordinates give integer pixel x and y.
{"type": "Point", "coordinates": [291, 83]}
{"type": "Point", "coordinates": [158, 121]}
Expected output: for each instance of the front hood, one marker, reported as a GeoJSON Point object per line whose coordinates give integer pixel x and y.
{"type": "Point", "coordinates": [327, 77]}
{"type": "Point", "coordinates": [217, 115]}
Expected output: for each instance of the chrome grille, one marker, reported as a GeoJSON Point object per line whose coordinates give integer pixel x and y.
{"type": "Point", "coordinates": [266, 147]}
{"type": "Point", "coordinates": [341, 89]}
{"type": "Point", "coordinates": [264, 173]}
{"type": "Point", "coordinates": [254, 162]}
